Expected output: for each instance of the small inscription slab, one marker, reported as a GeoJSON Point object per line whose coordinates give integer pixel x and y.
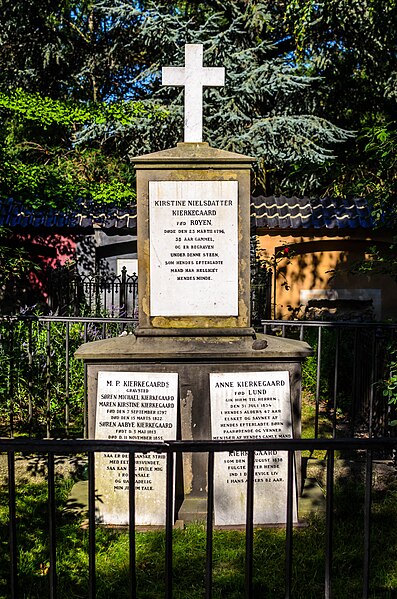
{"type": "Point", "coordinates": [193, 248]}
{"type": "Point", "coordinates": [134, 406]}
{"type": "Point", "coordinates": [251, 405]}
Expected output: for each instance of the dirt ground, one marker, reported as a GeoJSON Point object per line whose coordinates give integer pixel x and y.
{"type": "Point", "coordinates": [33, 469]}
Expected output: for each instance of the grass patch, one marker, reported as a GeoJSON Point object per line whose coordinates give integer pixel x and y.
{"type": "Point", "coordinates": [308, 424]}
{"type": "Point", "coordinates": [189, 551]}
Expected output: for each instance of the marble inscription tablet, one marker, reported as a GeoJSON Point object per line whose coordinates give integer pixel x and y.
{"type": "Point", "coordinates": [251, 405]}
{"type": "Point", "coordinates": [134, 406]}
{"type": "Point", "coordinates": [193, 228]}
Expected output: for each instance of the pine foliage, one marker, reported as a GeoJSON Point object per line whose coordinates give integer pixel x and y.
{"type": "Point", "coordinates": [266, 109]}
{"type": "Point", "coordinates": [309, 86]}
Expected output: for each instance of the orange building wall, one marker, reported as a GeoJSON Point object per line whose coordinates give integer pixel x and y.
{"type": "Point", "coordinates": [308, 263]}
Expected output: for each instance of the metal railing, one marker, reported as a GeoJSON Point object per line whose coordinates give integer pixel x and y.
{"type": "Point", "coordinates": [74, 294]}
{"type": "Point", "coordinates": [172, 449]}
{"type": "Point", "coordinates": [42, 386]}
{"type": "Point", "coordinates": [351, 361]}
{"type": "Point", "coordinates": [66, 292]}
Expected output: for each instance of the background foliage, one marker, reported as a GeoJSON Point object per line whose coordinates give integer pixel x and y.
{"type": "Point", "coordinates": [310, 92]}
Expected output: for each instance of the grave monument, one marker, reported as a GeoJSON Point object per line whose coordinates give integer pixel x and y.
{"type": "Point", "coordinates": [194, 359]}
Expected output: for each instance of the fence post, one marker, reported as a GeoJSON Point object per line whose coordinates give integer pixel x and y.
{"type": "Point", "coordinates": [329, 522]}
{"type": "Point", "coordinates": [249, 526]}
{"type": "Point", "coordinates": [48, 378]}
{"type": "Point", "coordinates": [91, 527]}
{"type": "Point", "coordinates": [12, 525]}
{"type": "Point", "coordinates": [318, 379]}
{"type": "Point", "coordinates": [209, 544]}
{"type": "Point", "coordinates": [367, 523]}
{"type": "Point", "coordinates": [123, 292]}
{"type": "Point", "coordinates": [11, 375]}
{"type": "Point", "coordinates": [30, 375]}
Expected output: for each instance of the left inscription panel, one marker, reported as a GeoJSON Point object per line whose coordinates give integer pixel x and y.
{"type": "Point", "coordinates": [134, 406]}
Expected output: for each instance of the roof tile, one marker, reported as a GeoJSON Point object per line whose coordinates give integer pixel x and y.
{"type": "Point", "coordinates": [266, 213]}
{"type": "Point", "coordinates": [331, 213]}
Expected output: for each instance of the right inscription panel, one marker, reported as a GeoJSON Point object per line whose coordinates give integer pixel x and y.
{"type": "Point", "coordinates": [251, 405]}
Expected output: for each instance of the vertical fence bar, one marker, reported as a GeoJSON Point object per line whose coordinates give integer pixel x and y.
{"type": "Point", "coordinates": [249, 526]}
{"type": "Point", "coordinates": [135, 296]}
{"type": "Point", "coordinates": [12, 525]}
{"type": "Point", "coordinates": [11, 376]}
{"type": "Point", "coordinates": [90, 295]}
{"type": "Point", "coordinates": [91, 526]}
{"type": "Point", "coordinates": [372, 384]}
{"type": "Point", "coordinates": [336, 372]}
{"type": "Point", "coordinates": [98, 290]}
{"type": "Point", "coordinates": [169, 521]}
{"type": "Point", "coordinates": [367, 523]}
{"type": "Point", "coordinates": [301, 332]}
{"type": "Point", "coordinates": [52, 526]}
{"type": "Point", "coordinates": [112, 298]}
{"type": "Point", "coordinates": [123, 293]}
{"type": "Point", "coordinates": [289, 528]}
{"type": "Point", "coordinates": [67, 376]}
{"type": "Point", "coordinates": [318, 380]}
{"type": "Point", "coordinates": [30, 377]}
{"type": "Point", "coordinates": [131, 531]}
{"type": "Point", "coordinates": [210, 509]}
{"type": "Point", "coordinates": [85, 398]}
{"type": "Point", "coordinates": [329, 524]}
{"type": "Point", "coordinates": [354, 385]}
{"type": "Point", "coordinates": [274, 278]}
{"type": "Point", "coordinates": [48, 379]}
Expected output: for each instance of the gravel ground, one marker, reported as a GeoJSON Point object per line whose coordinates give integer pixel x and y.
{"type": "Point", "coordinates": [384, 473]}
{"type": "Point", "coordinates": [33, 469]}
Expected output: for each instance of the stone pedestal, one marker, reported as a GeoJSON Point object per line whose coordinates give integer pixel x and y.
{"type": "Point", "coordinates": [194, 359]}
{"type": "Point", "coordinates": [193, 240]}
{"type": "Point", "coordinates": [194, 316]}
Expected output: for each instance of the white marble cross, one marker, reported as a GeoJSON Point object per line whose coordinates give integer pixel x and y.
{"type": "Point", "coordinates": [193, 76]}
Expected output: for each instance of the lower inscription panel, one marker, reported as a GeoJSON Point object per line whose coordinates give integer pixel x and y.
{"type": "Point", "coordinates": [251, 405]}
{"type": "Point", "coordinates": [134, 406]}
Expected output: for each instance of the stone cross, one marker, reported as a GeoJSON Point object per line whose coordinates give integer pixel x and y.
{"type": "Point", "coordinates": [193, 77]}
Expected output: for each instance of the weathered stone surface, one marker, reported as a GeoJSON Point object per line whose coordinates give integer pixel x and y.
{"type": "Point", "coordinates": [251, 405]}
{"type": "Point", "coordinates": [194, 154]}
{"type": "Point", "coordinates": [194, 359]}
{"type": "Point", "coordinates": [205, 341]}
{"type": "Point", "coordinates": [191, 166]}
{"type": "Point", "coordinates": [171, 347]}
{"type": "Point", "coordinates": [133, 406]}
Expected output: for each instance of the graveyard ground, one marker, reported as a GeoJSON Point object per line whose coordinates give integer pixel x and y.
{"type": "Point", "coordinates": [189, 544]}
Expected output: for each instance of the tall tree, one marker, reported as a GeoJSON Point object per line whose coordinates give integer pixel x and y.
{"type": "Point", "coordinates": [351, 48]}
{"type": "Point", "coordinates": [299, 75]}
{"type": "Point", "coordinates": [61, 72]}
{"type": "Point", "coordinates": [267, 108]}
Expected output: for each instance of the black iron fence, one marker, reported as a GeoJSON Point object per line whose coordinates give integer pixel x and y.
{"type": "Point", "coordinates": [355, 532]}
{"type": "Point", "coordinates": [42, 385]}
{"type": "Point", "coordinates": [73, 294]}
{"type": "Point", "coordinates": [349, 374]}
{"type": "Point", "coordinates": [345, 383]}
{"type": "Point", "coordinates": [42, 393]}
